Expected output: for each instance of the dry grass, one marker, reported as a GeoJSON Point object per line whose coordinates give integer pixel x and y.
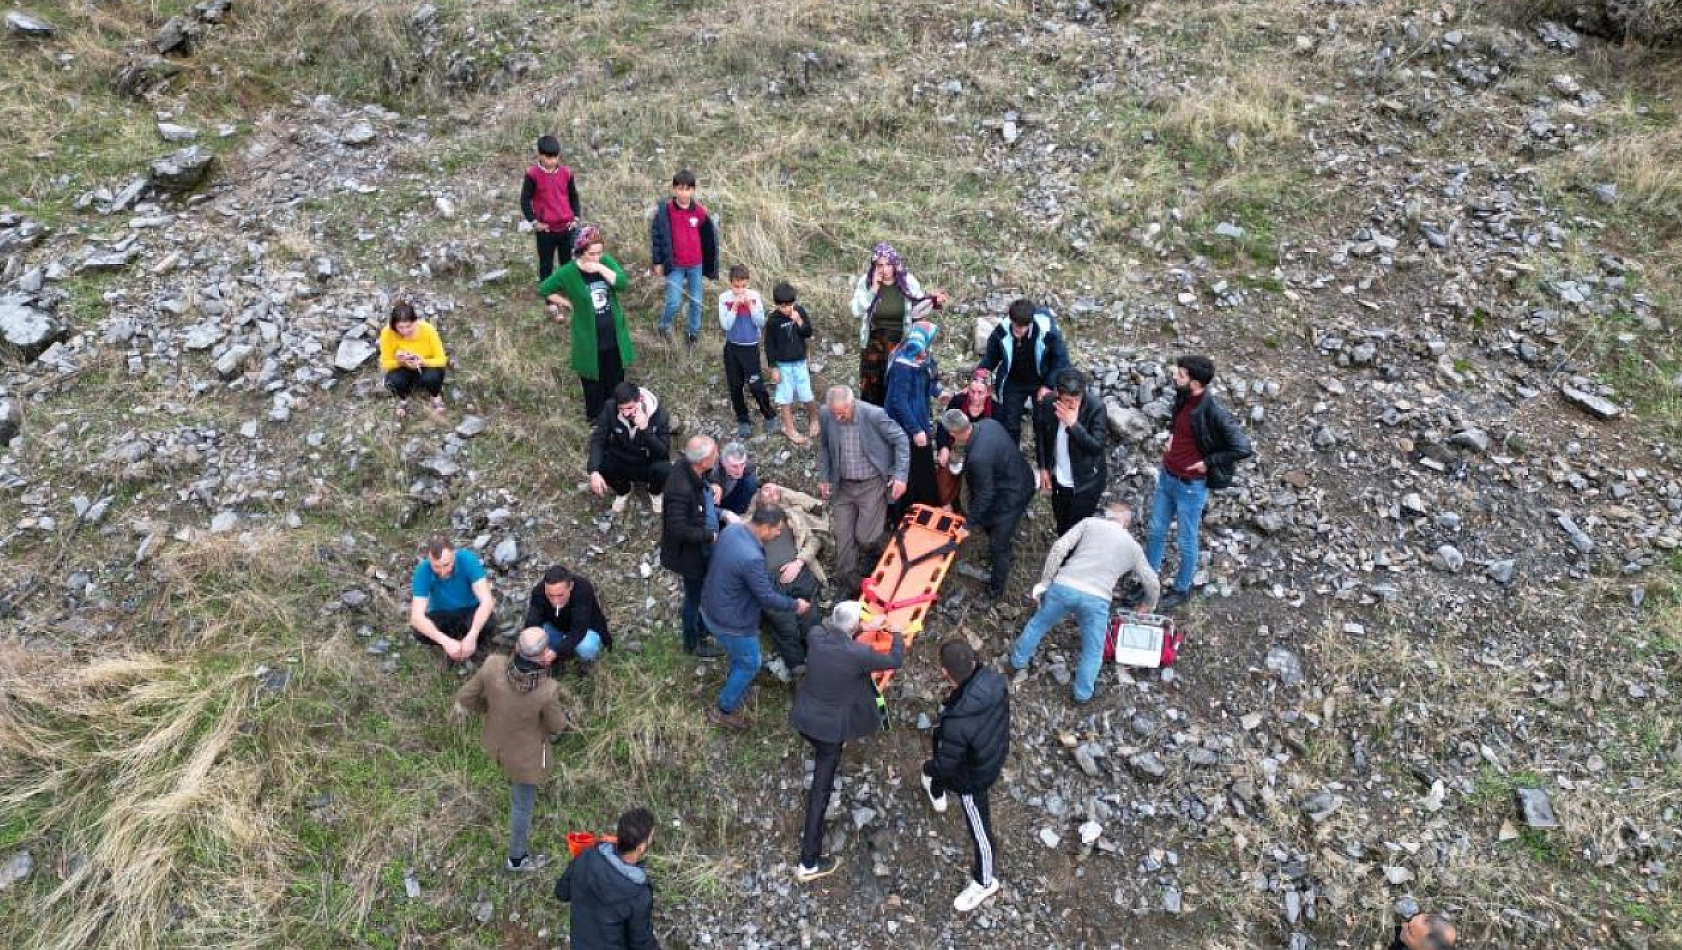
{"type": "Point", "coordinates": [136, 761]}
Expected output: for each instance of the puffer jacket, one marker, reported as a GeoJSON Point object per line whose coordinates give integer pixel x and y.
{"type": "Point", "coordinates": [972, 738]}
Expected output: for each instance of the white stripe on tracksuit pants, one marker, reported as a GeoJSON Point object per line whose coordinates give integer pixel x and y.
{"type": "Point", "coordinates": [977, 819]}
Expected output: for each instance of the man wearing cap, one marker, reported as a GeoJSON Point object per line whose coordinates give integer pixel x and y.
{"type": "Point", "coordinates": [564, 604]}
{"type": "Point", "coordinates": [522, 711]}
{"type": "Point", "coordinates": [1026, 354]}
{"type": "Point", "coordinates": [1070, 435]}
{"type": "Point", "coordinates": [836, 703]}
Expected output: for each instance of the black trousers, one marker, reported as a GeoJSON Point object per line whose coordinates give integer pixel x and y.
{"type": "Point", "coordinates": [1070, 507]}
{"type": "Point", "coordinates": [622, 477]}
{"type": "Point", "coordinates": [455, 624]}
{"type": "Point", "coordinates": [402, 381]}
{"type": "Point", "coordinates": [1001, 548]}
{"type": "Point", "coordinates": [920, 485]}
{"type": "Point", "coordinates": [826, 759]}
{"type": "Point", "coordinates": [978, 818]}
{"type": "Point", "coordinates": [741, 369]}
{"type": "Point", "coordinates": [610, 372]}
{"type": "Point", "coordinates": [1009, 408]}
{"type": "Point", "coordinates": [553, 247]}
{"type": "Point", "coordinates": [788, 629]}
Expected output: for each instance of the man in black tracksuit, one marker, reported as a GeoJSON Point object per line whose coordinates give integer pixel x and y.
{"type": "Point", "coordinates": [971, 741]}
{"type": "Point", "coordinates": [612, 900]}
{"type": "Point", "coordinates": [1070, 436]}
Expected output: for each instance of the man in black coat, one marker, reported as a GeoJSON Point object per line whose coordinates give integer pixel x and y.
{"type": "Point", "coordinates": [565, 606]}
{"type": "Point", "coordinates": [971, 741]}
{"type": "Point", "coordinates": [1001, 484]}
{"type": "Point", "coordinates": [688, 527]}
{"type": "Point", "coordinates": [1204, 447]}
{"type": "Point", "coordinates": [836, 704]}
{"type": "Point", "coordinates": [612, 900]}
{"type": "Point", "coordinates": [630, 445]}
{"type": "Point", "coordinates": [1070, 436]}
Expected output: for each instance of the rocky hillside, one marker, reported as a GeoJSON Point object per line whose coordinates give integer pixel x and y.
{"type": "Point", "coordinates": [1436, 655]}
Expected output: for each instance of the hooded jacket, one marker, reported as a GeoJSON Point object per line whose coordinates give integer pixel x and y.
{"type": "Point", "coordinates": [612, 438]}
{"type": "Point", "coordinates": [972, 736]}
{"type": "Point", "coordinates": [785, 342]}
{"type": "Point", "coordinates": [1219, 439]}
{"type": "Point", "coordinates": [1051, 358]}
{"type": "Point", "coordinates": [522, 710]}
{"type": "Point", "coordinates": [612, 902]}
{"type": "Point", "coordinates": [1088, 438]}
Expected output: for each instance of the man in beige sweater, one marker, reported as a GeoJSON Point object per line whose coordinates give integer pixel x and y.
{"type": "Point", "coordinates": [1080, 574]}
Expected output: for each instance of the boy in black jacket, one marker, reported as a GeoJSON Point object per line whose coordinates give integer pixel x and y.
{"type": "Point", "coordinates": [786, 333]}
{"type": "Point", "coordinates": [971, 741]}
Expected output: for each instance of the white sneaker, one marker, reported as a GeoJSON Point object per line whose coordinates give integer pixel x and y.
{"type": "Point", "coordinates": [656, 503]}
{"type": "Point", "coordinates": [938, 801]}
{"type": "Point", "coordinates": [619, 503]}
{"type": "Point", "coordinates": [975, 895]}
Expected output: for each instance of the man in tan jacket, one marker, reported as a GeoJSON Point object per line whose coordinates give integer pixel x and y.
{"type": "Point", "coordinates": [522, 710]}
{"type": "Point", "coordinates": [793, 558]}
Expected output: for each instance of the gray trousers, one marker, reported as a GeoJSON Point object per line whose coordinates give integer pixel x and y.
{"type": "Point", "coordinates": [860, 512]}
{"type": "Point", "coordinates": [519, 819]}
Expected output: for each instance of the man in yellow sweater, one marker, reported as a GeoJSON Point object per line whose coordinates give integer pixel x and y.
{"type": "Point", "coordinates": [412, 355]}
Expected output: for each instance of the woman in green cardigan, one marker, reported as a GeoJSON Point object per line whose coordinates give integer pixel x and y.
{"type": "Point", "coordinates": [589, 286]}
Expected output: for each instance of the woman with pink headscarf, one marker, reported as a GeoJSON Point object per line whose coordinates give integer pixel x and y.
{"type": "Point", "coordinates": [588, 286]}
{"type": "Point", "coordinates": [887, 300]}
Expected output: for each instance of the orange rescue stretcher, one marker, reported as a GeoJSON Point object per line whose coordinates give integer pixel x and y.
{"type": "Point", "coordinates": [906, 582]}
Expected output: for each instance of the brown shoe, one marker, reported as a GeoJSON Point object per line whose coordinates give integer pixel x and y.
{"type": "Point", "coordinates": [719, 717]}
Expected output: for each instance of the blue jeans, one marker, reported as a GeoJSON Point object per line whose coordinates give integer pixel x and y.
{"type": "Point", "coordinates": [1091, 612]}
{"type": "Point", "coordinates": [1181, 503]}
{"type": "Point", "coordinates": [587, 650]}
{"type": "Point", "coordinates": [744, 666]}
{"type": "Point", "coordinates": [676, 277]}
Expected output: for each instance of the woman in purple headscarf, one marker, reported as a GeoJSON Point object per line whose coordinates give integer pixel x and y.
{"type": "Point", "coordinates": [887, 301]}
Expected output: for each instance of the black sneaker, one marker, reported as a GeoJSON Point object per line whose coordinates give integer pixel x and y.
{"type": "Point", "coordinates": [690, 339]}
{"type": "Point", "coordinates": [707, 651]}
{"type": "Point", "coordinates": [1172, 599]}
{"type": "Point", "coordinates": [807, 874]}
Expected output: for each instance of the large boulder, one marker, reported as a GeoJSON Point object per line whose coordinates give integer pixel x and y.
{"type": "Point", "coordinates": [984, 327]}
{"type": "Point", "coordinates": [11, 421]}
{"type": "Point", "coordinates": [182, 170]}
{"type": "Point", "coordinates": [26, 329]}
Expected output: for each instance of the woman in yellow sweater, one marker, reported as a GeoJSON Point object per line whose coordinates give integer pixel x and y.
{"type": "Point", "coordinates": [412, 355]}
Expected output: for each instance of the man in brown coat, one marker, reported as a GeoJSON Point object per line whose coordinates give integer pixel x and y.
{"type": "Point", "coordinates": [522, 709]}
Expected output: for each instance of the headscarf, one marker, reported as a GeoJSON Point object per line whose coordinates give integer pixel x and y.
{"type": "Point", "coordinates": [914, 349]}
{"type": "Point", "coordinates": [884, 251]}
{"type": "Point", "coordinates": [587, 235]}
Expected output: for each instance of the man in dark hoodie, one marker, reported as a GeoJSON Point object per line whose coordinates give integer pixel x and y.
{"type": "Point", "coordinates": [971, 741]}
{"type": "Point", "coordinates": [631, 445]}
{"type": "Point", "coordinates": [1001, 484]}
{"type": "Point", "coordinates": [611, 897]}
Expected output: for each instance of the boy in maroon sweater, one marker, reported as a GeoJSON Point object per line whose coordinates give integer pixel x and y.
{"type": "Point", "coordinates": [549, 200]}
{"type": "Point", "coordinates": [682, 248]}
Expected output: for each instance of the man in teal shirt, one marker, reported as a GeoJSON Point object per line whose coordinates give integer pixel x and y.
{"type": "Point", "coordinates": [451, 603]}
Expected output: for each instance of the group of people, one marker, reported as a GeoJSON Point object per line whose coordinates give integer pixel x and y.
{"type": "Point", "coordinates": [750, 555]}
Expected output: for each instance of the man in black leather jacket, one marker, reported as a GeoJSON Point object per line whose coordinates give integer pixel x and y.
{"type": "Point", "coordinates": [971, 741]}
{"type": "Point", "coordinates": [1070, 442]}
{"type": "Point", "coordinates": [1205, 445]}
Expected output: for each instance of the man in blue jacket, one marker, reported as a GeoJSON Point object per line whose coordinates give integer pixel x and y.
{"type": "Point", "coordinates": [737, 591]}
{"type": "Point", "coordinates": [1026, 355]}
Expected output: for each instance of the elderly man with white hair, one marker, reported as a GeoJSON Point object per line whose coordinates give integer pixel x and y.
{"type": "Point", "coordinates": [863, 458]}
{"type": "Point", "coordinates": [792, 559]}
{"type": "Point", "coordinates": [689, 524]}
{"type": "Point", "coordinates": [836, 704]}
